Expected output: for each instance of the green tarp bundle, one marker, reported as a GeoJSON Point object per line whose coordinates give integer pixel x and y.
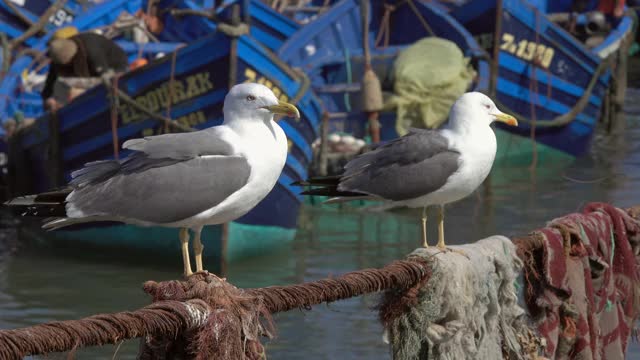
{"type": "Point", "coordinates": [428, 77]}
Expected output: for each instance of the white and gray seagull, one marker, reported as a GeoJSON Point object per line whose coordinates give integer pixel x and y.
{"type": "Point", "coordinates": [183, 180]}
{"type": "Point", "coordinates": [424, 167]}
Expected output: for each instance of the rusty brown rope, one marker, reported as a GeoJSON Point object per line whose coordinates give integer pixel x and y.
{"type": "Point", "coordinates": [399, 274]}
{"type": "Point", "coordinates": [227, 321]}
{"type": "Point", "coordinates": [166, 317]}
{"type": "Point", "coordinates": [169, 319]}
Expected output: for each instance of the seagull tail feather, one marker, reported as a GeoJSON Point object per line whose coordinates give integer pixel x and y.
{"type": "Point", "coordinates": [51, 207]}
{"type": "Point", "coordinates": [47, 204]}
{"type": "Point", "coordinates": [318, 181]}
{"type": "Point", "coordinates": [58, 223]}
{"type": "Point", "coordinates": [340, 199]}
{"type": "Point", "coordinates": [332, 191]}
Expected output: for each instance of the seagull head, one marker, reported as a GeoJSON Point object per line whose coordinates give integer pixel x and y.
{"type": "Point", "coordinates": [255, 102]}
{"type": "Point", "coordinates": [476, 108]}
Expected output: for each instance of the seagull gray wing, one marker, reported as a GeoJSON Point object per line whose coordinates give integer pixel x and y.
{"type": "Point", "coordinates": [165, 179]}
{"type": "Point", "coordinates": [208, 141]}
{"type": "Point", "coordinates": [405, 168]}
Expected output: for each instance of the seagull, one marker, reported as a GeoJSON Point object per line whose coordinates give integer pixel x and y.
{"type": "Point", "coordinates": [182, 180]}
{"type": "Point", "coordinates": [425, 167]}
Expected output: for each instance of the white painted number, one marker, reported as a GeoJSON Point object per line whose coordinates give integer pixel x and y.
{"type": "Point", "coordinates": [60, 18]}
{"type": "Point", "coordinates": [527, 50]}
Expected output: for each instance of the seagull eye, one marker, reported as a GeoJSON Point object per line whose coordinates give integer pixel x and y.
{"type": "Point", "coordinates": [251, 97]}
{"type": "Point", "coordinates": [488, 107]}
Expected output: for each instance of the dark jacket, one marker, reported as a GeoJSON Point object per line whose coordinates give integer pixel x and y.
{"type": "Point", "coordinates": [96, 54]}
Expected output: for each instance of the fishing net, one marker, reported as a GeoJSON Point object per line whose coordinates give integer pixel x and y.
{"type": "Point", "coordinates": [468, 310]}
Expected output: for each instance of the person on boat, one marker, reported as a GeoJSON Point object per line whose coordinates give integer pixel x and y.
{"type": "Point", "coordinates": [75, 54]}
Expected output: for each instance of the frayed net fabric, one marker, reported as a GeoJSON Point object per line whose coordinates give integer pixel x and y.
{"type": "Point", "coordinates": [583, 283]}
{"type": "Point", "coordinates": [469, 309]}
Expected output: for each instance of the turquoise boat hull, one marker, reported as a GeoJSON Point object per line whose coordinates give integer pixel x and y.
{"type": "Point", "coordinates": [223, 244]}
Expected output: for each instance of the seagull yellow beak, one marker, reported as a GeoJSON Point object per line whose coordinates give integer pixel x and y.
{"type": "Point", "coordinates": [285, 109]}
{"type": "Point", "coordinates": [506, 118]}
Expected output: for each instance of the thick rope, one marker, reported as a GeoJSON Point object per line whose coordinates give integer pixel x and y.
{"type": "Point", "coordinates": [165, 317]}
{"type": "Point", "coordinates": [399, 274]}
{"type": "Point", "coordinates": [169, 319]}
{"type": "Point", "coordinates": [203, 301]}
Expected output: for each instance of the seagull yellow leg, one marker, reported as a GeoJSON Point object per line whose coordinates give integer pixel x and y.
{"type": "Point", "coordinates": [197, 248]}
{"type": "Point", "coordinates": [184, 240]}
{"type": "Point", "coordinates": [424, 227]}
{"type": "Point", "coordinates": [441, 244]}
{"type": "Point", "coordinates": [441, 227]}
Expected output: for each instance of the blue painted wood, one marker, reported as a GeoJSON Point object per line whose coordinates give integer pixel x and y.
{"type": "Point", "coordinates": [267, 26]}
{"type": "Point", "coordinates": [85, 125]}
{"type": "Point", "coordinates": [32, 10]}
{"type": "Point", "coordinates": [553, 88]}
{"type": "Point", "coordinates": [329, 49]}
{"type": "Point", "coordinates": [12, 99]}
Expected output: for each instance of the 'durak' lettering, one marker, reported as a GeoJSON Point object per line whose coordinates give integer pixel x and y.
{"type": "Point", "coordinates": [173, 93]}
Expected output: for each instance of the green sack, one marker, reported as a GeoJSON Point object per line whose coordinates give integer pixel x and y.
{"type": "Point", "coordinates": [428, 78]}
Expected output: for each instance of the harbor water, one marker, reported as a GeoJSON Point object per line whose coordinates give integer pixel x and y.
{"type": "Point", "coordinates": [38, 285]}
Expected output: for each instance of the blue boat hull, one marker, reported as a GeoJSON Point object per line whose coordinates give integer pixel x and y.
{"type": "Point", "coordinates": [13, 98]}
{"type": "Point", "coordinates": [329, 50]}
{"type": "Point", "coordinates": [546, 78]}
{"type": "Point", "coordinates": [267, 26]}
{"type": "Point", "coordinates": [202, 74]}
{"type": "Point", "coordinates": [12, 25]}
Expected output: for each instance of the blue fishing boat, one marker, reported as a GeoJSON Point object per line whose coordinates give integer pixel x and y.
{"type": "Point", "coordinates": [14, 98]}
{"type": "Point", "coordinates": [185, 20]}
{"type": "Point", "coordinates": [91, 128]}
{"type": "Point", "coordinates": [267, 26]}
{"type": "Point", "coordinates": [16, 16]}
{"type": "Point", "coordinates": [330, 50]}
{"type": "Point", "coordinates": [555, 82]}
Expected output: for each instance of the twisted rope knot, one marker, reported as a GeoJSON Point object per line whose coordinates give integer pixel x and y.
{"type": "Point", "coordinates": [229, 329]}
